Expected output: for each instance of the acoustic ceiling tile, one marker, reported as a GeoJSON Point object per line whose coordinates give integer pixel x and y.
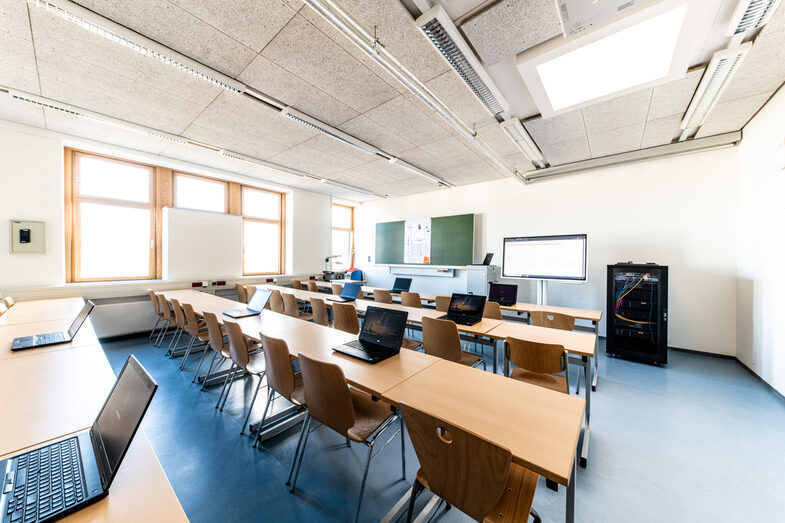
{"type": "Point", "coordinates": [452, 152]}
{"type": "Point", "coordinates": [731, 116]}
{"type": "Point", "coordinates": [616, 141]}
{"type": "Point", "coordinates": [333, 147]}
{"type": "Point", "coordinates": [497, 139]}
{"type": "Point", "coordinates": [253, 24]}
{"type": "Point", "coordinates": [402, 117]}
{"type": "Point", "coordinates": [509, 27]}
{"type": "Point", "coordinates": [432, 115]}
{"type": "Point", "coordinates": [21, 112]}
{"type": "Point", "coordinates": [308, 53]}
{"type": "Point", "coordinates": [421, 158]}
{"type": "Point", "coordinates": [13, 18]}
{"type": "Point", "coordinates": [477, 172]}
{"type": "Point", "coordinates": [661, 131]}
{"type": "Point", "coordinates": [177, 29]}
{"type": "Point", "coordinates": [557, 129]}
{"type": "Point", "coordinates": [672, 98]}
{"type": "Point", "coordinates": [18, 68]}
{"type": "Point", "coordinates": [616, 113]}
{"type": "Point", "coordinates": [276, 82]}
{"type": "Point", "coordinates": [376, 135]}
{"type": "Point", "coordinates": [761, 72]}
{"type": "Point", "coordinates": [568, 151]}
{"type": "Point", "coordinates": [310, 160]}
{"type": "Point", "coordinates": [454, 92]}
{"type": "Point", "coordinates": [218, 137]}
{"type": "Point", "coordinates": [519, 162]}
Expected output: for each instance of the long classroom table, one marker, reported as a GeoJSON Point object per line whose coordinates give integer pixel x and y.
{"type": "Point", "coordinates": [540, 427]}
{"type": "Point", "coordinates": [53, 392]}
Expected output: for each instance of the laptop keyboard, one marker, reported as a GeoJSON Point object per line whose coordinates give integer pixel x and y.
{"type": "Point", "coordinates": [47, 481]}
{"type": "Point", "coordinates": [49, 338]}
{"type": "Point", "coordinates": [367, 348]}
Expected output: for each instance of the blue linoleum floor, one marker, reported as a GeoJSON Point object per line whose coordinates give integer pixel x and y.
{"type": "Point", "coordinates": [700, 440]}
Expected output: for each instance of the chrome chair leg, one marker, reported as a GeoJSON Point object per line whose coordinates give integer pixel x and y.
{"type": "Point", "coordinates": [416, 489]}
{"type": "Point", "coordinates": [403, 450]}
{"type": "Point", "coordinates": [231, 382]}
{"type": "Point", "coordinates": [365, 478]}
{"type": "Point", "coordinates": [245, 423]}
{"type": "Point", "coordinates": [187, 352]}
{"type": "Point", "coordinates": [209, 369]}
{"type": "Point", "coordinates": [223, 389]}
{"type": "Point", "coordinates": [155, 327]}
{"type": "Point", "coordinates": [162, 334]}
{"type": "Point", "coordinates": [258, 437]}
{"type": "Point", "coordinates": [306, 428]}
{"type": "Point", "coordinates": [204, 353]}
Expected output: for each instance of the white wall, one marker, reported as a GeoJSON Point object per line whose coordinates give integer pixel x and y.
{"type": "Point", "coordinates": [679, 212]}
{"type": "Point", "coordinates": [761, 247]}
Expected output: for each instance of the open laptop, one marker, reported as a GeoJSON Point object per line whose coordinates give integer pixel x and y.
{"type": "Point", "coordinates": [401, 285]}
{"type": "Point", "coordinates": [465, 309]}
{"type": "Point", "coordinates": [380, 337]}
{"type": "Point", "coordinates": [503, 294]}
{"type": "Point", "coordinates": [254, 307]}
{"type": "Point", "coordinates": [59, 478]}
{"type": "Point", "coordinates": [486, 260]}
{"type": "Point", "coordinates": [54, 338]}
{"type": "Point", "coordinates": [348, 293]}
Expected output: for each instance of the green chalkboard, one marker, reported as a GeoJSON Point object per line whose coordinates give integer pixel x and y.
{"type": "Point", "coordinates": [452, 241]}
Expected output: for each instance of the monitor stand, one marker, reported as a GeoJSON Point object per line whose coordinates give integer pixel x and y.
{"type": "Point", "coordinates": [542, 292]}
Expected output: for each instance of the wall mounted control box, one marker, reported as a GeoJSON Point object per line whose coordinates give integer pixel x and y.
{"type": "Point", "coordinates": [27, 236]}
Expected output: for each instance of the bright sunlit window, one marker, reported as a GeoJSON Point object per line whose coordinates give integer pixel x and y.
{"type": "Point", "coordinates": [343, 237]}
{"type": "Point", "coordinates": [262, 231]}
{"type": "Point", "coordinates": [113, 219]}
{"type": "Point", "coordinates": [630, 57]}
{"type": "Point", "coordinates": [204, 194]}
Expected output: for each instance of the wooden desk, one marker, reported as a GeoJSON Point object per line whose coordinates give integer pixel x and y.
{"type": "Point", "coordinates": [32, 311]}
{"type": "Point", "coordinates": [575, 342]}
{"type": "Point", "coordinates": [85, 336]}
{"type": "Point", "coordinates": [581, 314]}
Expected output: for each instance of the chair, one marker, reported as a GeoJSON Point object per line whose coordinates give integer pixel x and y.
{"type": "Point", "coordinates": [312, 287]}
{"type": "Point", "coordinates": [159, 316]}
{"type": "Point", "coordinates": [166, 313]}
{"type": "Point", "coordinates": [469, 472]}
{"type": "Point", "coordinates": [345, 318]}
{"type": "Point", "coordinates": [196, 328]}
{"type": "Point", "coordinates": [443, 303]}
{"type": "Point", "coordinates": [297, 285]}
{"type": "Point", "coordinates": [276, 302]}
{"type": "Point", "coordinates": [356, 275]}
{"type": "Point", "coordinates": [3, 308]}
{"type": "Point", "coordinates": [253, 364]}
{"type": "Point", "coordinates": [242, 294]}
{"type": "Point", "coordinates": [440, 338]}
{"type": "Point", "coordinates": [179, 321]}
{"type": "Point", "coordinates": [320, 314]}
{"type": "Point", "coordinates": [552, 320]}
{"type": "Point", "coordinates": [346, 410]}
{"type": "Point", "coordinates": [215, 342]}
{"type": "Point", "coordinates": [492, 311]}
{"type": "Point", "coordinates": [291, 307]}
{"type": "Point", "coordinates": [382, 296]}
{"type": "Point", "coordinates": [281, 378]}
{"type": "Point", "coordinates": [336, 288]}
{"type": "Point", "coordinates": [9, 301]}
{"type": "Point", "coordinates": [411, 299]}
{"type": "Point", "coordinates": [538, 363]}
{"type": "Point", "coordinates": [250, 290]}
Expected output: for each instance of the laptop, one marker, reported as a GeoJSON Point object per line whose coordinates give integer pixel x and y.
{"type": "Point", "coordinates": [465, 309]}
{"type": "Point", "coordinates": [348, 293]}
{"type": "Point", "coordinates": [401, 285]}
{"type": "Point", "coordinates": [487, 260]}
{"type": "Point", "coordinates": [380, 337]}
{"type": "Point", "coordinates": [503, 294]}
{"type": "Point", "coordinates": [54, 338]}
{"type": "Point", "coordinates": [254, 307]}
{"type": "Point", "coordinates": [62, 477]}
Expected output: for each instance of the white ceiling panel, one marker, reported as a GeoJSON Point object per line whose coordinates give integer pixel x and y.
{"type": "Point", "coordinates": [18, 69]}
{"type": "Point", "coordinates": [518, 161]}
{"type": "Point", "coordinates": [177, 29]}
{"type": "Point", "coordinates": [305, 51]}
{"type": "Point", "coordinates": [672, 98]}
{"type": "Point", "coordinates": [762, 71]}
{"type": "Point", "coordinates": [21, 112]}
{"type": "Point", "coordinates": [311, 160]}
{"type": "Point", "coordinates": [400, 116]}
{"type": "Point", "coordinates": [661, 131]}
{"type": "Point", "coordinates": [13, 18]}
{"type": "Point", "coordinates": [497, 139]}
{"type": "Point", "coordinates": [251, 23]}
{"type": "Point", "coordinates": [333, 147]}
{"type": "Point", "coordinates": [275, 81]}
{"type": "Point", "coordinates": [481, 171]}
{"type": "Point", "coordinates": [557, 129]}
{"type": "Point", "coordinates": [376, 134]}
{"type": "Point", "coordinates": [616, 141]}
{"type": "Point", "coordinates": [421, 158]}
{"type": "Point", "coordinates": [616, 113]}
{"type": "Point", "coordinates": [453, 91]}
{"type": "Point", "coordinates": [568, 151]}
{"type": "Point", "coordinates": [731, 116]}
{"type": "Point", "coordinates": [511, 26]}
{"type": "Point", "coordinates": [218, 137]}
{"type": "Point", "coordinates": [452, 152]}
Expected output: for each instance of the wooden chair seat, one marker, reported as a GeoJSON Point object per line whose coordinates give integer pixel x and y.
{"type": "Point", "coordinates": [468, 358]}
{"type": "Point", "coordinates": [516, 502]}
{"type": "Point", "coordinates": [549, 381]}
{"type": "Point", "coordinates": [255, 363]}
{"type": "Point", "coordinates": [298, 394]}
{"type": "Point", "coordinates": [368, 415]}
{"type": "Point", "coordinates": [410, 344]}
{"type": "Point", "coordinates": [307, 316]}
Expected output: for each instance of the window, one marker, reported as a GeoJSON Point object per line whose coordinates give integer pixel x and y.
{"type": "Point", "coordinates": [197, 192]}
{"type": "Point", "coordinates": [113, 219]}
{"type": "Point", "coordinates": [262, 231]}
{"type": "Point", "coordinates": [343, 237]}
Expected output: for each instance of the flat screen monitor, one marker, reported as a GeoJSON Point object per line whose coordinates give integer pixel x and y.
{"type": "Point", "coordinates": [545, 257]}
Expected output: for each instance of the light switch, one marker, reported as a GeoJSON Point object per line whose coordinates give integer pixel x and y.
{"type": "Point", "coordinates": [28, 236]}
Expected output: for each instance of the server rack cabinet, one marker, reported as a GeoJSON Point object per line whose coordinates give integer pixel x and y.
{"type": "Point", "coordinates": [636, 323]}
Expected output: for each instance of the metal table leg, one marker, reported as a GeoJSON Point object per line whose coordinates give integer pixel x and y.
{"type": "Point", "coordinates": [495, 355]}
{"type": "Point", "coordinates": [569, 514]}
{"type": "Point", "coordinates": [587, 366]}
{"type": "Point", "coordinates": [596, 354]}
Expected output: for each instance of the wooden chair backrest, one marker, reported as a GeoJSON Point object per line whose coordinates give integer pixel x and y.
{"type": "Point", "coordinates": [297, 285]}
{"type": "Point", "coordinates": [214, 331]}
{"type": "Point", "coordinates": [546, 358]}
{"type": "Point", "coordinates": [463, 469]}
{"type": "Point", "coordinates": [179, 315]}
{"type": "Point", "coordinates": [8, 301]}
{"type": "Point", "coordinates": [327, 394]}
{"type": "Point", "coordinates": [411, 299]}
{"type": "Point", "coordinates": [250, 290]}
{"type": "Point", "coordinates": [492, 310]}
{"type": "Point", "coordinates": [345, 318]}
{"type": "Point", "coordinates": [553, 320]}
{"type": "Point", "coordinates": [382, 296]}
{"type": "Point", "coordinates": [312, 287]}
{"type": "Point", "coordinates": [336, 288]}
{"type": "Point", "coordinates": [290, 305]}
{"type": "Point", "coordinates": [278, 366]}
{"type": "Point", "coordinates": [154, 299]}
{"type": "Point", "coordinates": [276, 301]}
{"type": "Point", "coordinates": [242, 294]}
{"type": "Point", "coordinates": [443, 303]}
{"type": "Point", "coordinates": [166, 312]}
{"type": "Point", "coordinates": [237, 346]}
{"type": "Point", "coordinates": [3, 308]}
{"type": "Point", "coordinates": [320, 314]}
{"type": "Point", "coordinates": [191, 323]}
{"type": "Point", "coordinates": [440, 338]}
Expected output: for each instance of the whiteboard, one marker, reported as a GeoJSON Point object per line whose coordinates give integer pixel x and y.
{"type": "Point", "coordinates": [201, 245]}
{"type": "Point", "coordinates": [545, 257]}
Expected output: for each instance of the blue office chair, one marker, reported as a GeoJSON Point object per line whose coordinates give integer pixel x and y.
{"type": "Point", "coordinates": [356, 275]}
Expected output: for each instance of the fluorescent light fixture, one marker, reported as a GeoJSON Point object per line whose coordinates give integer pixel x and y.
{"type": "Point", "coordinates": [751, 14]}
{"type": "Point", "coordinates": [419, 172]}
{"type": "Point", "coordinates": [648, 47]}
{"type": "Point", "coordinates": [332, 132]}
{"type": "Point", "coordinates": [524, 142]}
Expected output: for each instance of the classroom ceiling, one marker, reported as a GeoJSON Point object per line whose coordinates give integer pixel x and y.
{"type": "Point", "coordinates": [287, 51]}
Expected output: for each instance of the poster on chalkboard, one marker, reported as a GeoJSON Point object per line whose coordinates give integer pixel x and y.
{"type": "Point", "coordinates": [417, 241]}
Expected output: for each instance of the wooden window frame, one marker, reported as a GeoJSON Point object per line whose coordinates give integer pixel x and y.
{"type": "Point", "coordinates": [280, 222]}
{"type": "Point", "coordinates": [350, 231]}
{"type": "Point", "coordinates": [176, 174]}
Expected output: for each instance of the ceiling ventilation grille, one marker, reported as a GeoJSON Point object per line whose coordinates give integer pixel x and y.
{"type": "Point", "coordinates": [751, 14]}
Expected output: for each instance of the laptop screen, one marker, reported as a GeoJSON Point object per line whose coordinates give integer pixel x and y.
{"type": "Point", "coordinates": [259, 300]}
{"type": "Point", "coordinates": [116, 424]}
{"type": "Point", "coordinates": [351, 290]}
{"type": "Point", "coordinates": [502, 292]}
{"type": "Point", "coordinates": [402, 284]}
{"type": "Point", "coordinates": [488, 258]}
{"type": "Point", "coordinates": [80, 318]}
{"type": "Point", "coordinates": [467, 304]}
{"type": "Point", "coordinates": [384, 327]}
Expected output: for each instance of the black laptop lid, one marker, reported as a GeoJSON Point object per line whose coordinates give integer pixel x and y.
{"type": "Point", "coordinates": [351, 290]}
{"type": "Point", "coordinates": [488, 258]}
{"type": "Point", "coordinates": [469, 305]}
{"type": "Point", "coordinates": [384, 327]}
{"type": "Point", "coordinates": [80, 318]}
{"type": "Point", "coordinates": [259, 300]}
{"type": "Point", "coordinates": [402, 284]}
{"type": "Point", "coordinates": [116, 424]}
{"type": "Point", "coordinates": [502, 292]}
